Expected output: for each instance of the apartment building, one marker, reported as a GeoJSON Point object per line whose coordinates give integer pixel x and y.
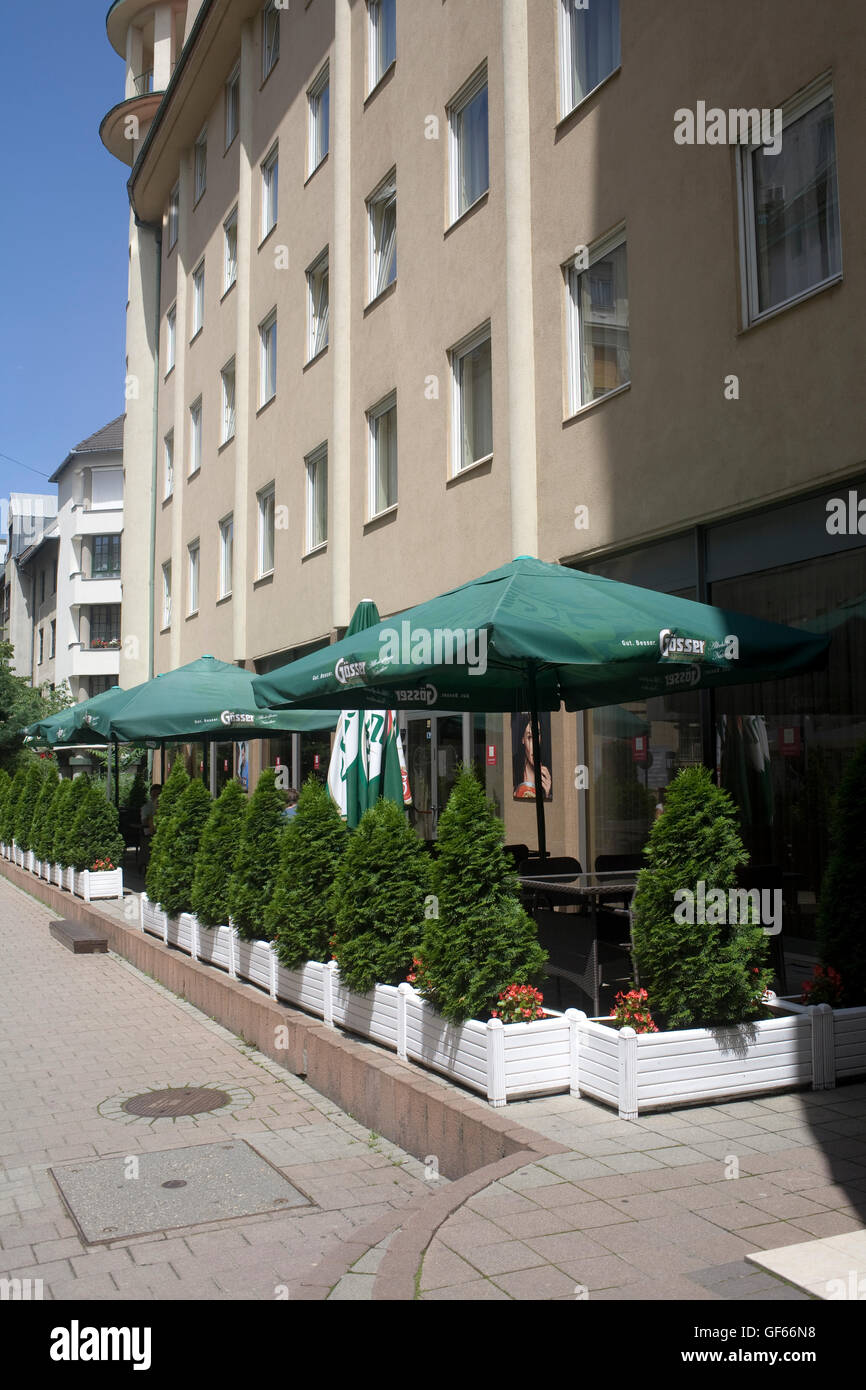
{"type": "Point", "coordinates": [61, 586]}
{"type": "Point", "coordinates": [415, 288]}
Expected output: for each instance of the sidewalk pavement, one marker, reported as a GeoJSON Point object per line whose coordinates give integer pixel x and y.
{"type": "Point", "coordinates": [666, 1207]}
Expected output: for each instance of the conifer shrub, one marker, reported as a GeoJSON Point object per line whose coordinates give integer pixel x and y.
{"type": "Point", "coordinates": [301, 915]}
{"type": "Point", "coordinates": [64, 835]}
{"type": "Point", "coordinates": [40, 825]}
{"type": "Point", "coordinates": [7, 824]}
{"type": "Point", "coordinates": [5, 784]}
{"type": "Point", "coordinates": [841, 905]}
{"type": "Point", "coordinates": [177, 865]}
{"type": "Point", "coordinates": [137, 794]}
{"type": "Point", "coordinates": [382, 883]}
{"type": "Point", "coordinates": [482, 940]}
{"type": "Point", "coordinates": [696, 974]}
{"type": "Point", "coordinates": [258, 859]}
{"type": "Point", "coordinates": [175, 785]}
{"type": "Point", "coordinates": [216, 856]}
{"type": "Point", "coordinates": [27, 805]}
{"type": "Point", "coordinates": [43, 846]}
{"type": "Point", "coordinates": [96, 833]}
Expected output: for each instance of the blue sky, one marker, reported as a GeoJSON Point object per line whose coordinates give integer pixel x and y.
{"type": "Point", "coordinates": [63, 237]}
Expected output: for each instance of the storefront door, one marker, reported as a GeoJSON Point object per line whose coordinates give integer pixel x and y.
{"type": "Point", "coordinates": [434, 746]}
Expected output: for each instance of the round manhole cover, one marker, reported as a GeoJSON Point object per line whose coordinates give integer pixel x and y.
{"type": "Point", "coordinates": [177, 1100]}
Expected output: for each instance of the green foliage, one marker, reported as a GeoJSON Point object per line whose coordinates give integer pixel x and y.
{"type": "Point", "coordinates": [41, 828]}
{"type": "Point", "coordinates": [382, 882]}
{"type": "Point", "coordinates": [7, 815]}
{"type": "Point", "coordinates": [841, 907]}
{"type": "Point", "coordinates": [175, 786]}
{"type": "Point", "coordinates": [216, 856]}
{"type": "Point", "coordinates": [95, 832]}
{"type": "Point", "coordinates": [63, 852]}
{"type": "Point", "coordinates": [482, 940]}
{"type": "Point", "coordinates": [177, 865]}
{"type": "Point", "coordinates": [137, 793]}
{"type": "Point", "coordinates": [696, 974]}
{"type": "Point", "coordinates": [27, 804]}
{"type": "Point", "coordinates": [20, 705]}
{"type": "Point", "coordinates": [254, 874]}
{"type": "Point", "coordinates": [301, 914]}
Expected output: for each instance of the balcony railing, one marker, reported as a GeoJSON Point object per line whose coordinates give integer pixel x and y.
{"type": "Point", "coordinates": [143, 84]}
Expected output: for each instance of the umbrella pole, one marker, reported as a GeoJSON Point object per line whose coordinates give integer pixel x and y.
{"type": "Point", "coordinates": [536, 765]}
{"type": "Point", "coordinates": [116, 773]}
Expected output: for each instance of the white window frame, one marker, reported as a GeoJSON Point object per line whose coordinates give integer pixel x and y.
{"type": "Point", "coordinates": [457, 354]}
{"type": "Point", "coordinates": [262, 497]}
{"type": "Point", "coordinates": [312, 463]}
{"type": "Point", "coordinates": [227, 546]}
{"type": "Point", "coordinates": [319, 129]}
{"type": "Point", "coordinates": [228, 402]}
{"type": "Point", "coordinates": [383, 197]}
{"type": "Point", "coordinates": [467, 94]}
{"type": "Point", "coordinates": [200, 167]}
{"type": "Point", "coordinates": [270, 48]}
{"type": "Point", "coordinates": [568, 100]}
{"type": "Point", "coordinates": [197, 300]}
{"type": "Point", "coordinates": [318, 313]}
{"type": "Point", "coordinates": [168, 464]}
{"type": "Point", "coordinates": [170, 339]}
{"type": "Point", "coordinates": [195, 434]}
{"type": "Point", "coordinates": [268, 359]}
{"type": "Point", "coordinates": [794, 110]}
{"type": "Point", "coordinates": [374, 416]}
{"type": "Point", "coordinates": [270, 171]}
{"type": "Point", "coordinates": [230, 262]}
{"type": "Point", "coordinates": [173, 216]}
{"type": "Point", "coordinates": [193, 552]}
{"type": "Point", "coordinates": [166, 594]}
{"type": "Point", "coordinates": [597, 251]}
{"type": "Point", "coordinates": [233, 105]}
{"type": "Point", "coordinates": [377, 67]}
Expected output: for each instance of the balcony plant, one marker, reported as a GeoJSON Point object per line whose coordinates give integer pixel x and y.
{"type": "Point", "coordinates": [257, 861]}
{"type": "Point", "coordinates": [301, 915]}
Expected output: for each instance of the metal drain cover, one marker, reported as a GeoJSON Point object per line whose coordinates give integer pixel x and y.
{"type": "Point", "coordinates": [113, 1198]}
{"type": "Point", "coordinates": [177, 1100]}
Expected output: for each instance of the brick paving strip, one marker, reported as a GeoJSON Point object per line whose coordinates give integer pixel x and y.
{"type": "Point", "coordinates": [570, 1202]}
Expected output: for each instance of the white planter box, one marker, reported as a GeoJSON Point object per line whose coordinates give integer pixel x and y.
{"type": "Point", "coordinates": [104, 884]}
{"type": "Point", "coordinates": [69, 879]}
{"type": "Point", "coordinates": [57, 875]}
{"type": "Point", "coordinates": [214, 946]}
{"type": "Point", "coordinates": [253, 962]}
{"type": "Point", "coordinates": [30, 861]}
{"type": "Point", "coordinates": [305, 987]}
{"type": "Point", "coordinates": [179, 932]}
{"type": "Point", "coordinates": [153, 919]}
{"type": "Point", "coordinates": [849, 1042]}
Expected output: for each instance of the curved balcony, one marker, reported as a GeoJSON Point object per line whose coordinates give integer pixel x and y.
{"type": "Point", "coordinates": [121, 14]}
{"type": "Point", "coordinates": [115, 129]}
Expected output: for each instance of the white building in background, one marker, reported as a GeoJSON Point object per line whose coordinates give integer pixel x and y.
{"type": "Point", "coordinates": [61, 601]}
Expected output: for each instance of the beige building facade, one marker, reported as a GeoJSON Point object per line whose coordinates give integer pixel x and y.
{"type": "Point", "coordinates": [418, 287]}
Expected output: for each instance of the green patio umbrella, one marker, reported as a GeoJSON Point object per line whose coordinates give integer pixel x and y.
{"type": "Point", "coordinates": [531, 636]}
{"type": "Point", "coordinates": [72, 725]}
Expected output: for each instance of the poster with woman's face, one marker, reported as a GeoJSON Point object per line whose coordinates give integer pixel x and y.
{"type": "Point", "coordinates": [243, 766]}
{"type": "Point", "coordinates": [522, 757]}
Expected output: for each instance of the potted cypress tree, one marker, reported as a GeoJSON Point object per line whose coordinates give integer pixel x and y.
{"type": "Point", "coordinates": [381, 887]}
{"type": "Point", "coordinates": [216, 856]}
{"type": "Point", "coordinates": [44, 846]}
{"type": "Point", "coordinates": [8, 815]}
{"type": "Point", "coordinates": [97, 848]}
{"type": "Point", "coordinates": [841, 908]}
{"type": "Point", "coordinates": [258, 856]}
{"type": "Point", "coordinates": [5, 784]}
{"type": "Point", "coordinates": [301, 914]}
{"type": "Point", "coordinates": [178, 859]}
{"type": "Point", "coordinates": [482, 941]}
{"type": "Point", "coordinates": [175, 785]}
{"type": "Point", "coordinates": [64, 837]}
{"type": "Point", "coordinates": [24, 813]}
{"type": "Point", "coordinates": [41, 822]}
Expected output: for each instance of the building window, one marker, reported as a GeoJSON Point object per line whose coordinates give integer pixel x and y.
{"type": "Point", "coordinates": [105, 625]}
{"type": "Point", "coordinates": [270, 37]}
{"type": "Point", "coordinates": [97, 685]}
{"type": "Point", "coordinates": [227, 543]}
{"type": "Point", "coordinates": [598, 323]}
{"type": "Point", "coordinates": [382, 34]}
{"type": "Point", "coordinates": [317, 306]}
{"type": "Point", "coordinates": [166, 594]}
{"type": "Point", "coordinates": [230, 257]}
{"type": "Point", "coordinates": [319, 98]}
{"type": "Point", "coordinates": [173, 216]}
{"type": "Point", "coordinates": [195, 437]}
{"type": "Point", "coordinates": [469, 147]}
{"type": "Point", "coordinates": [193, 553]}
{"type": "Point", "coordinates": [588, 47]}
{"type": "Point", "coordinates": [233, 105]}
{"type": "Point", "coordinates": [168, 454]}
{"type": "Point", "coordinates": [790, 208]}
{"type": "Point", "coordinates": [52, 649]}
{"type": "Point", "coordinates": [170, 338]}
{"type": "Point", "coordinates": [471, 365]}
{"type": "Point", "coordinates": [227, 382]}
{"type": "Point", "coordinates": [41, 645]}
{"type": "Point", "coordinates": [270, 181]}
{"type": "Point", "coordinates": [106, 556]}
{"type": "Point", "coordinates": [266, 530]}
{"type": "Point", "coordinates": [200, 166]}
{"type": "Point", "coordinates": [198, 299]}
{"type": "Point", "coordinates": [382, 422]}
{"type": "Point", "coordinates": [317, 497]}
{"type": "Point", "coordinates": [382, 210]}
{"type": "Point", "coordinates": [268, 359]}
